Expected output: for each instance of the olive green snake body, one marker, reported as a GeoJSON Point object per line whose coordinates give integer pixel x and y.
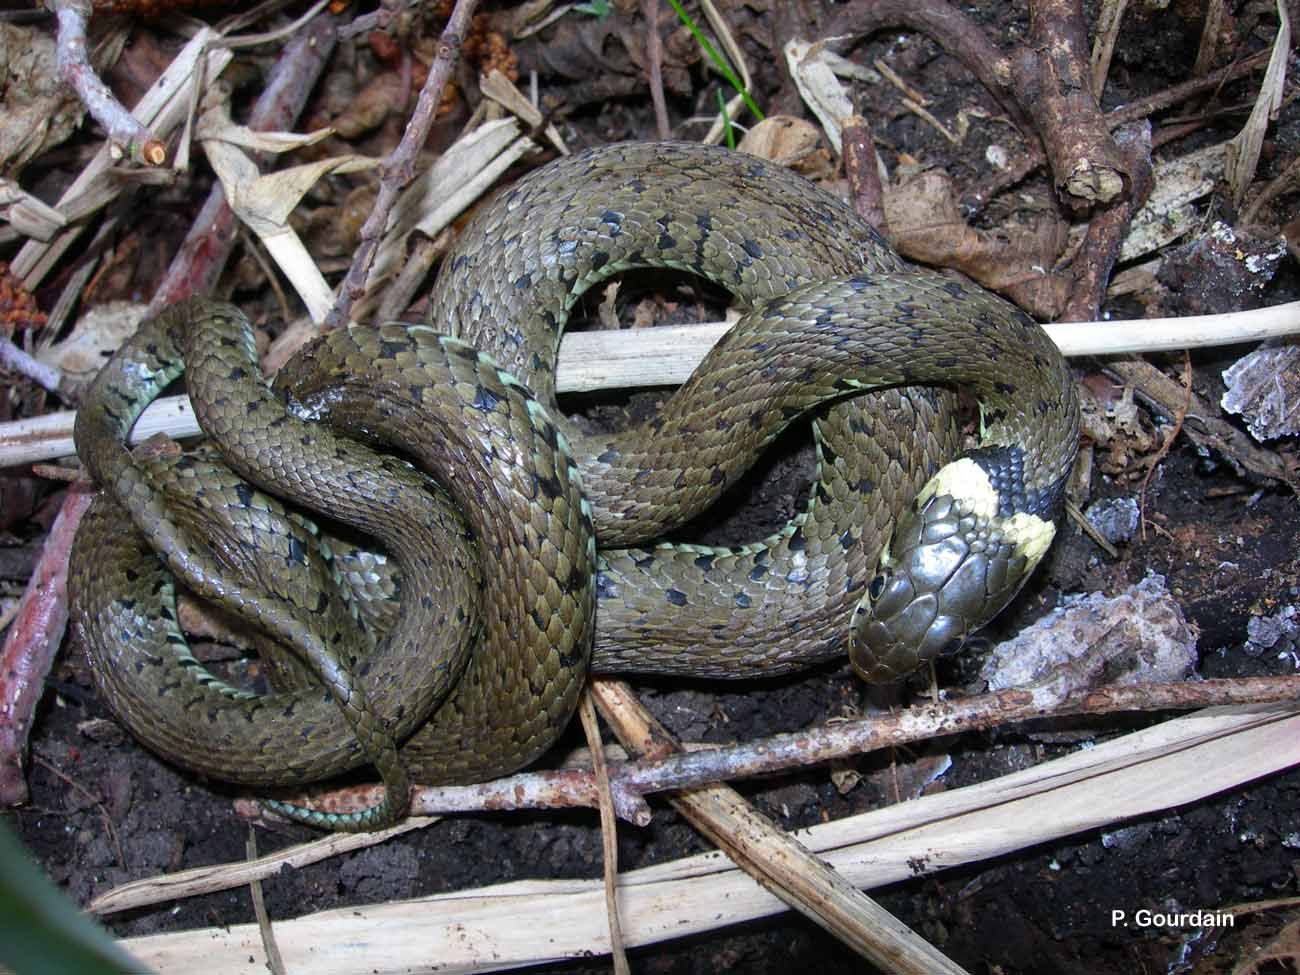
{"type": "Point", "coordinates": [504, 602]}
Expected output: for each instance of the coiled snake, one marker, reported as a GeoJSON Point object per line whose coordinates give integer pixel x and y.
{"type": "Point", "coordinates": [502, 603]}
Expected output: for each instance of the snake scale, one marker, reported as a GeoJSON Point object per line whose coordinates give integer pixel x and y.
{"type": "Point", "coordinates": [492, 508]}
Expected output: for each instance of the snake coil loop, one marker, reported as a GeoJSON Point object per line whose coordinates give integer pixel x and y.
{"type": "Point", "coordinates": [502, 602]}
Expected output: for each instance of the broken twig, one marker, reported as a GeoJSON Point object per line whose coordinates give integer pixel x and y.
{"type": "Point", "coordinates": [399, 168]}
{"type": "Point", "coordinates": [125, 133]}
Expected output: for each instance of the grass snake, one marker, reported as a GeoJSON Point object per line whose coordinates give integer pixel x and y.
{"type": "Point", "coordinates": [501, 604]}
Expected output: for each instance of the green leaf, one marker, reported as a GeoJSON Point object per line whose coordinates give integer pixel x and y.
{"type": "Point", "coordinates": [42, 931]}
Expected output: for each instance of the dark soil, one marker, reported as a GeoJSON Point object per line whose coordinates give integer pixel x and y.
{"type": "Point", "coordinates": [1226, 548]}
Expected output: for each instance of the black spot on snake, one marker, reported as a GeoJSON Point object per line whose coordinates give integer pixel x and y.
{"type": "Point", "coordinates": [549, 486]}
{"type": "Point", "coordinates": [485, 401]}
{"type": "Point", "coordinates": [676, 597]}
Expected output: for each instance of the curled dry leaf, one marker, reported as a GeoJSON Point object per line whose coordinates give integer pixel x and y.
{"type": "Point", "coordinates": [264, 203]}
{"type": "Point", "coordinates": [1264, 388]}
{"type": "Point", "coordinates": [36, 111]}
{"type": "Point", "coordinates": [925, 220]}
{"type": "Point", "coordinates": [812, 66]}
{"type": "Point", "coordinates": [783, 139]}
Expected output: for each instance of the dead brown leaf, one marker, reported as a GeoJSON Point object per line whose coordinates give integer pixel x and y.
{"type": "Point", "coordinates": [36, 111]}
{"type": "Point", "coordinates": [926, 225]}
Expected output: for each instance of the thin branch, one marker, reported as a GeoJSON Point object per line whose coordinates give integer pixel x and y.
{"type": "Point", "coordinates": [399, 168]}
{"type": "Point", "coordinates": [977, 197]}
{"type": "Point", "coordinates": [16, 360]}
{"type": "Point", "coordinates": [1052, 79]}
{"type": "Point", "coordinates": [654, 57]}
{"type": "Point", "coordinates": [1103, 47]}
{"type": "Point", "coordinates": [863, 174]}
{"type": "Point", "coordinates": [1204, 424]}
{"type": "Point", "coordinates": [608, 831]}
{"type": "Point", "coordinates": [1162, 452]}
{"type": "Point", "coordinates": [1212, 82]}
{"type": "Point", "coordinates": [125, 132]}
{"type": "Point", "coordinates": [703, 766]}
{"type": "Point", "coordinates": [953, 30]}
{"type": "Point", "coordinates": [206, 879]}
{"type": "Point", "coordinates": [273, 960]}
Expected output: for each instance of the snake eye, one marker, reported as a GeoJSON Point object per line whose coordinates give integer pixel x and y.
{"type": "Point", "coordinates": [877, 586]}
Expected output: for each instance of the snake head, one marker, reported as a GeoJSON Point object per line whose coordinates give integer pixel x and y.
{"type": "Point", "coordinates": [956, 557]}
